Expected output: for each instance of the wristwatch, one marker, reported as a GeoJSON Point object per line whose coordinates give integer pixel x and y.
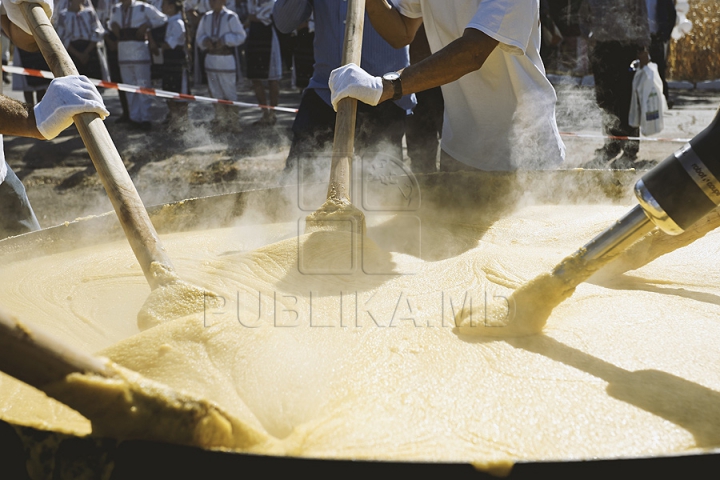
{"type": "Point", "coordinates": [394, 79]}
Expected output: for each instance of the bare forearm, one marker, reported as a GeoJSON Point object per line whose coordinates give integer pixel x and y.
{"type": "Point", "coordinates": [395, 28]}
{"type": "Point", "coordinates": [465, 55]}
{"type": "Point", "coordinates": [17, 119]}
{"type": "Point", "coordinates": [18, 37]}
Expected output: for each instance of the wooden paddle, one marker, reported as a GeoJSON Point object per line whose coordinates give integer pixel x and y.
{"type": "Point", "coordinates": [338, 212]}
{"type": "Point", "coordinates": [120, 403]}
{"type": "Point", "coordinates": [131, 212]}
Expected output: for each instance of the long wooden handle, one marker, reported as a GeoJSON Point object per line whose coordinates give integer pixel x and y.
{"type": "Point", "coordinates": [128, 206]}
{"type": "Point", "coordinates": [39, 359]}
{"type": "Point", "coordinates": [344, 140]}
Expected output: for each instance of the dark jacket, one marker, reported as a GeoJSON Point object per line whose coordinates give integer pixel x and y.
{"type": "Point", "coordinates": [666, 17]}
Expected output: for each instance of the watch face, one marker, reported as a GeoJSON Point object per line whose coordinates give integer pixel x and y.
{"type": "Point", "coordinates": [391, 76]}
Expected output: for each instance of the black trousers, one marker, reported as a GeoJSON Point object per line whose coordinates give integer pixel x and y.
{"type": "Point", "coordinates": [91, 69]}
{"type": "Point", "coordinates": [657, 55]}
{"type": "Point", "coordinates": [16, 214]}
{"type": "Point", "coordinates": [610, 63]}
{"type": "Point", "coordinates": [378, 129]}
{"type": "Point", "coordinates": [424, 130]}
{"type": "Point", "coordinates": [304, 57]}
{"type": "Point", "coordinates": [258, 50]}
{"type": "Point", "coordinates": [36, 61]}
{"type": "Point", "coordinates": [114, 67]}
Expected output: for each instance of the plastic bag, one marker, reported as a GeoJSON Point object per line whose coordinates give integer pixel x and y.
{"type": "Point", "coordinates": [647, 105]}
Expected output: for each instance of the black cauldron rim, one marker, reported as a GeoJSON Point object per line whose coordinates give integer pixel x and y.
{"type": "Point", "coordinates": [139, 459]}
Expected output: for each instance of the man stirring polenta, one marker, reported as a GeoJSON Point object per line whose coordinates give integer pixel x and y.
{"type": "Point", "coordinates": [499, 105]}
{"type": "Point", "coordinates": [65, 98]}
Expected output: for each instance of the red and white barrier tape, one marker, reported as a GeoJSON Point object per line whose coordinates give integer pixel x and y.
{"type": "Point", "coordinates": [146, 91]}
{"type": "Point", "coordinates": [197, 98]}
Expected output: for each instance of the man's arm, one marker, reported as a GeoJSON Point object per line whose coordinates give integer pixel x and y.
{"type": "Point", "coordinates": [20, 39]}
{"type": "Point", "coordinates": [17, 119]}
{"type": "Point", "coordinates": [465, 55]}
{"type": "Point", "coordinates": [290, 14]}
{"type": "Point", "coordinates": [395, 28]}
{"type": "Point", "coordinates": [202, 40]}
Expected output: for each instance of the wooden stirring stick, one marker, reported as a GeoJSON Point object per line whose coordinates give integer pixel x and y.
{"type": "Point", "coordinates": [337, 212]}
{"type": "Point", "coordinates": [122, 193]}
{"type": "Point", "coordinates": [131, 212]}
{"type": "Point", "coordinates": [119, 403]}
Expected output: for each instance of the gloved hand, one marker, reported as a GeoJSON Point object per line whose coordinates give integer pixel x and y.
{"type": "Point", "coordinates": [352, 81]}
{"type": "Point", "coordinates": [14, 12]}
{"type": "Point", "coordinates": [65, 98]}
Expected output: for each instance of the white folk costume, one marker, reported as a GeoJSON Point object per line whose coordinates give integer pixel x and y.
{"type": "Point", "coordinates": [134, 54]}
{"type": "Point", "coordinates": [80, 29]}
{"type": "Point", "coordinates": [203, 6]}
{"type": "Point", "coordinates": [61, 5]}
{"type": "Point", "coordinates": [221, 66]}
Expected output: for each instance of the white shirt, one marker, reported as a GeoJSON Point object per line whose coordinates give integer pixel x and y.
{"type": "Point", "coordinates": [175, 33]}
{"type": "Point", "coordinates": [136, 15]}
{"type": "Point", "coordinates": [501, 117]}
{"type": "Point", "coordinates": [103, 11]}
{"type": "Point", "coordinates": [140, 14]}
{"type": "Point", "coordinates": [228, 29]}
{"type": "Point", "coordinates": [203, 6]}
{"type": "Point", "coordinates": [60, 5]}
{"type": "Point", "coordinates": [3, 165]}
{"type": "Point", "coordinates": [82, 25]}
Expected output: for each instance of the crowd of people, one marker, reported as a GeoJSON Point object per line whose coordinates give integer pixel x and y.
{"type": "Point", "coordinates": [465, 87]}
{"type": "Point", "coordinates": [229, 45]}
{"type": "Point", "coordinates": [176, 45]}
{"type": "Point", "coordinates": [603, 38]}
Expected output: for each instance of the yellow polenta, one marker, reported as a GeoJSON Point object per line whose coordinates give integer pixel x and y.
{"type": "Point", "coordinates": [338, 354]}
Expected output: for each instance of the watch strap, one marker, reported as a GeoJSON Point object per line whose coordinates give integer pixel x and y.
{"type": "Point", "coordinates": [397, 89]}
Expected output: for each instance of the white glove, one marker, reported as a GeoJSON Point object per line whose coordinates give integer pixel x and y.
{"type": "Point", "coordinates": [65, 98]}
{"type": "Point", "coordinates": [14, 11]}
{"type": "Point", "coordinates": [352, 81]}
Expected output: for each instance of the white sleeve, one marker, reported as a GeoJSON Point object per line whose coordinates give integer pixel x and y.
{"type": "Point", "coordinates": [510, 22]}
{"type": "Point", "coordinates": [154, 16]}
{"type": "Point", "coordinates": [175, 33]}
{"type": "Point", "coordinates": [408, 8]}
{"type": "Point", "coordinates": [102, 10]}
{"type": "Point", "coordinates": [115, 17]}
{"type": "Point", "coordinates": [61, 31]}
{"type": "Point", "coordinates": [97, 31]}
{"type": "Point", "coordinates": [236, 35]}
{"type": "Point", "coordinates": [16, 16]}
{"type": "Point", "coordinates": [3, 165]}
{"type": "Point", "coordinates": [635, 109]}
{"type": "Point", "coordinates": [201, 34]}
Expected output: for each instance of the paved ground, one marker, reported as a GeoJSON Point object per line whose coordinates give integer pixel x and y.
{"type": "Point", "coordinates": [62, 183]}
